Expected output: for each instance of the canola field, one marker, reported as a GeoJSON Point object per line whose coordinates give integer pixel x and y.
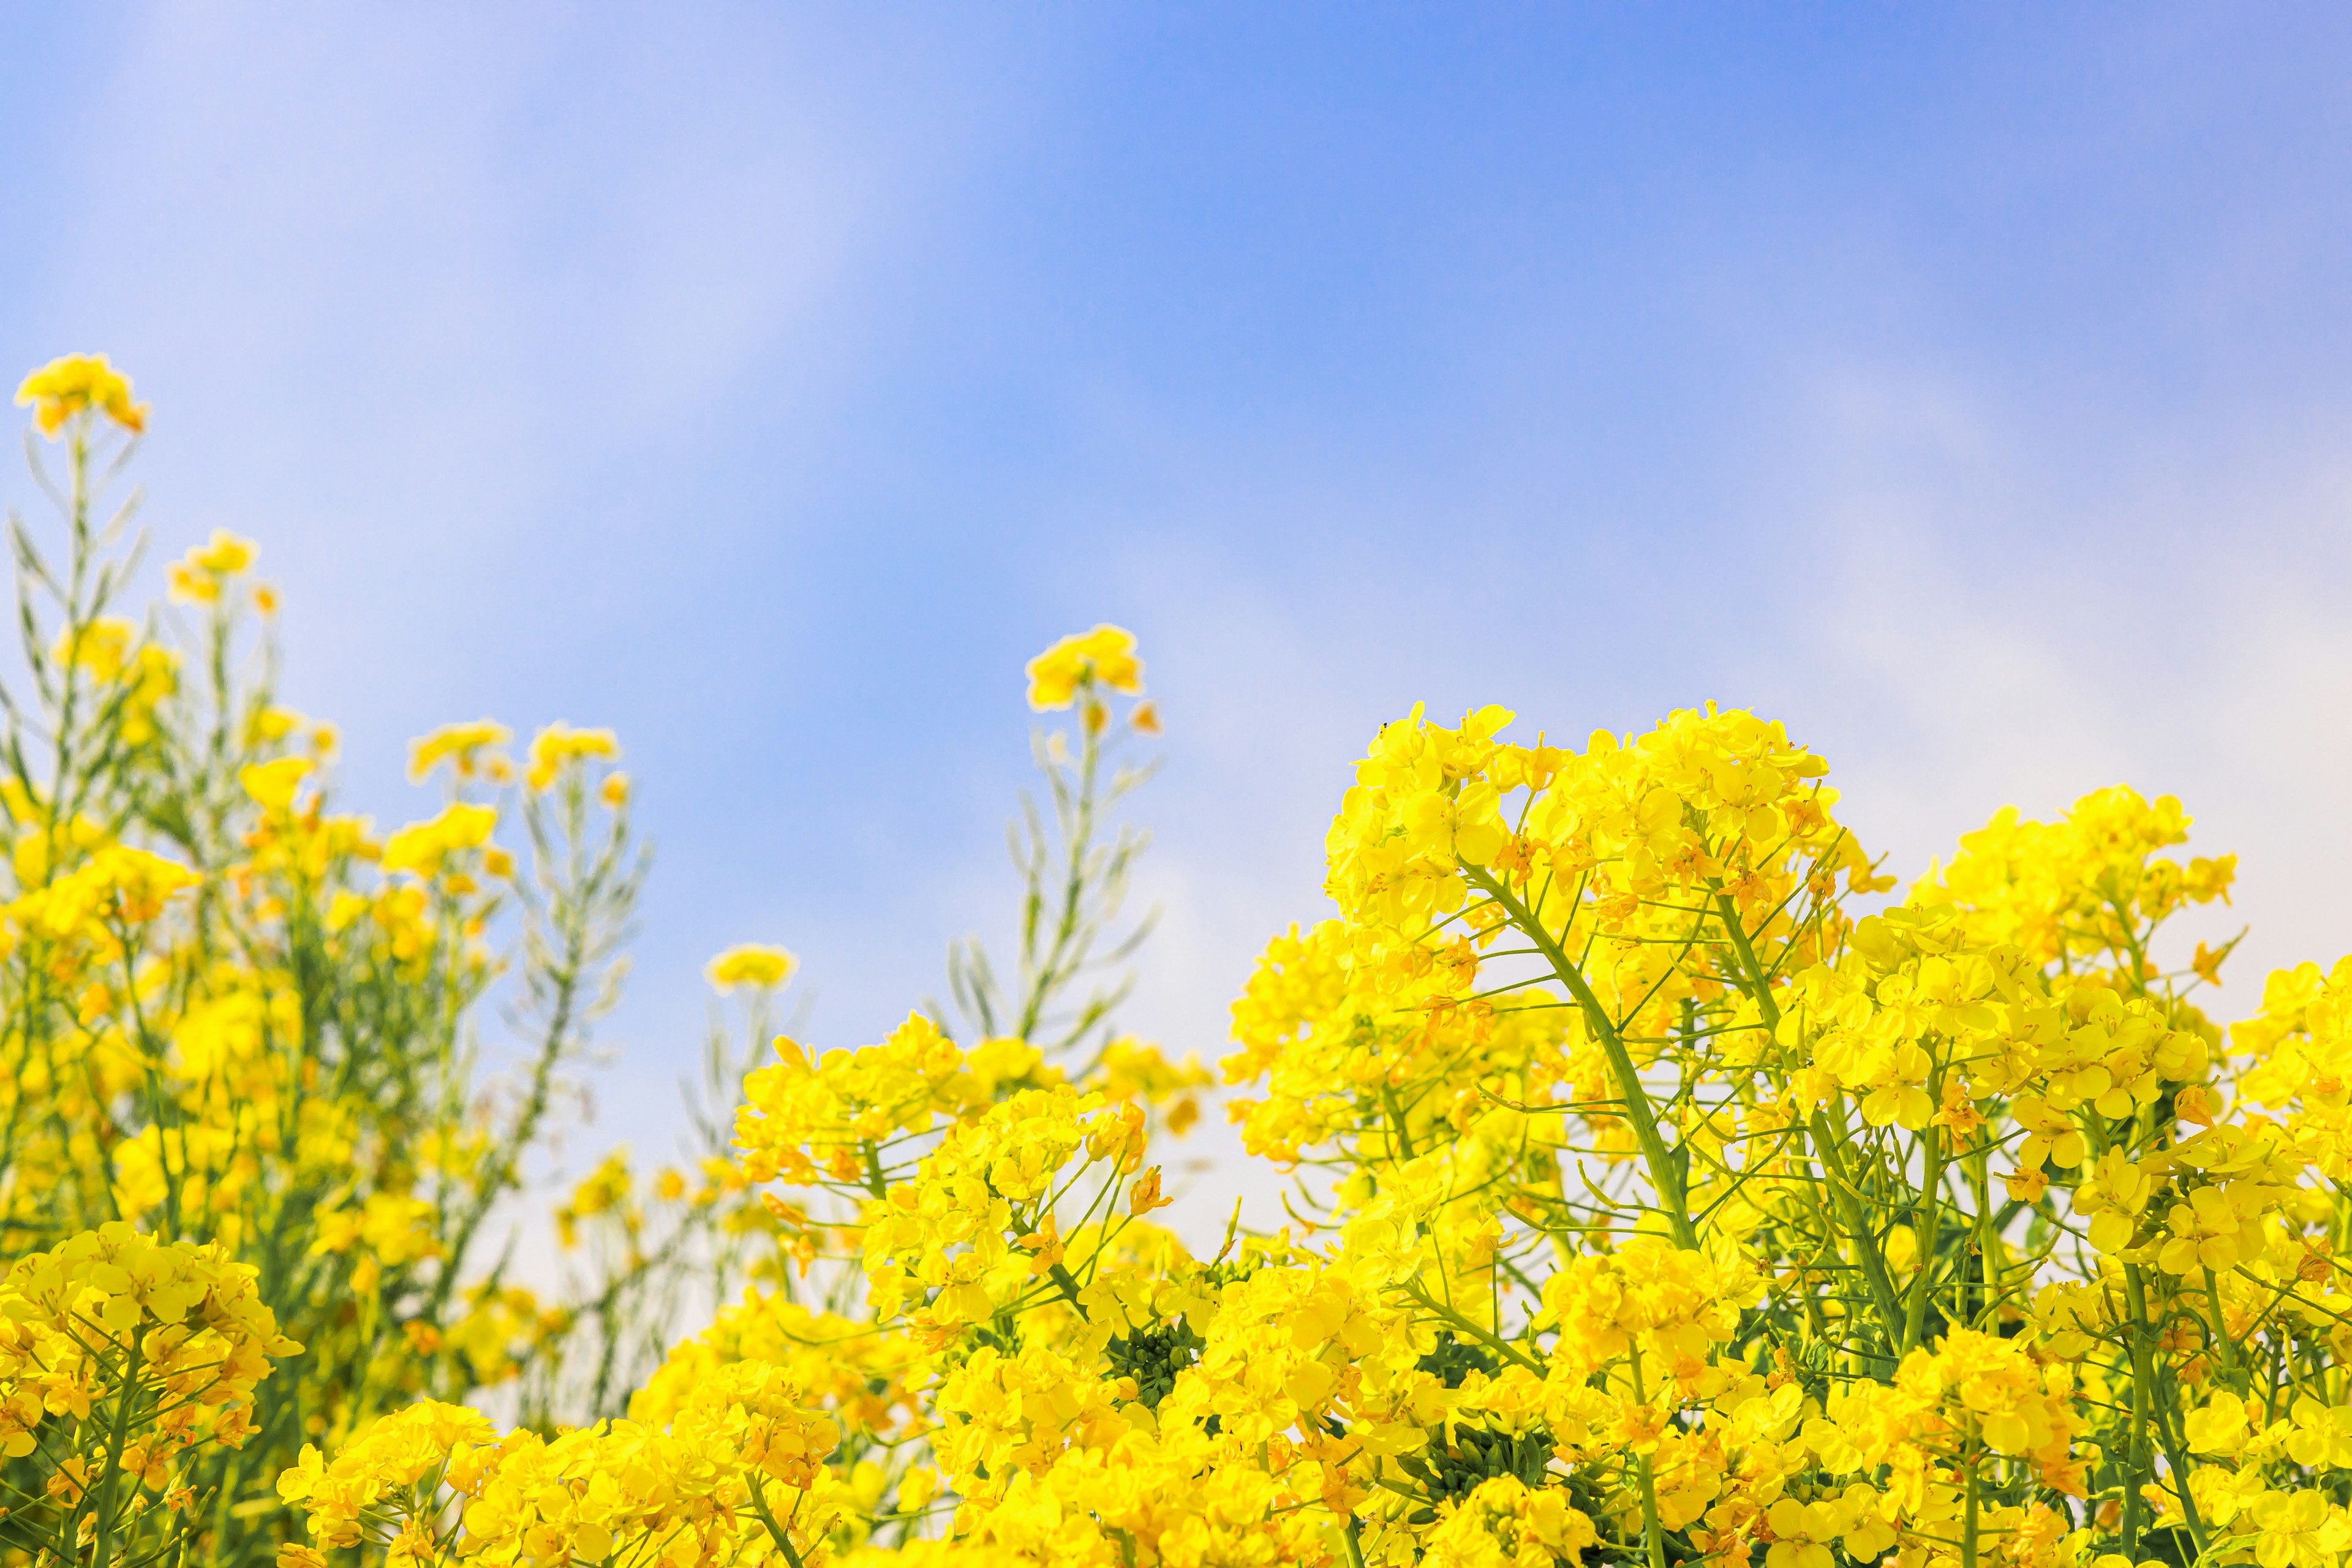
{"type": "Point", "coordinates": [1670, 1182]}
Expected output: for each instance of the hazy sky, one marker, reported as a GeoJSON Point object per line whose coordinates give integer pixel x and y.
{"type": "Point", "coordinates": [1970, 387]}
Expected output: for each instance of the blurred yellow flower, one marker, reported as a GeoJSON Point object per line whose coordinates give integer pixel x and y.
{"type": "Point", "coordinates": [66, 387]}
{"type": "Point", "coordinates": [422, 847]}
{"type": "Point", "coordinates": [196, 577]}
{"type": "Point", "coordinates": [749, 963]}
{"type": "Point", "coordinates": [459, 745]}
{"type": "Point", "coordinates": [272, 785]}
{"type": "Point", "coordinates": [560, 743]}
{"type": "Point", "coordinates": [225, 555]}
{"type": "Point", "coordinates": [102, 646]}
{"type": "Point", "coordinates": [1104, 655]}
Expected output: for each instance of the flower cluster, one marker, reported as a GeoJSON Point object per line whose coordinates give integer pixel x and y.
{"type": "Point", "coordinates": [77, 384]}
{"type": "Point", "coordinates": [253, 1184]}
{"type": "Point", "coordinates": [736, 1473]}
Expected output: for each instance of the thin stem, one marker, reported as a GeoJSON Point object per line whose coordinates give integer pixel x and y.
{"type": "Point", "coordinates": [1666, 1175]}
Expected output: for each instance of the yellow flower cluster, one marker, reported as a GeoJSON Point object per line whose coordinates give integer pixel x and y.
{"type": "Point", "coordinates": [2079, 890]}
{"type": "Point", "coordinates": [558, 745]}
{"type": "Point", "coordinates": [77, 383]}
{"type": "Point", "coordinates": [123, 1358]}
{"type": "Point", "coordinates": [1656, 1205]}
{"type": "Point", "coordinates": [947, 1237]}
{"type": "Point", "coordinates": [238, 1101]}
{"type": "Point", "coordinates": [111, 1311]}
{"type": "Point", "coordinates": [736, 1475]}
{"type": "Point", "coordinates": [1649, 1298]}
{"type": "Point", "coordinates": [1104, 657]}
{"type": "Point", "coordinates": [854, 1372]}
{"type": "Point", "coordinates": [803, 1122]}
{"type": "Point", "coordinates": [204, 574]}
{"type": "Point", "coordinates": [468, 749]}
{"type": "Point", "coordinates": [425, 849]}
{"type": "Point", "coordinates": [751, 964]}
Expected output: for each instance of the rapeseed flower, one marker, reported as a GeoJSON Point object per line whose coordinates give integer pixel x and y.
{"type": "Point", "coordinates": [76, 384]}
{"type": "Point", "coordinates": [1104, 657]}
{"type": "Point", "coordinates": [749, 963]}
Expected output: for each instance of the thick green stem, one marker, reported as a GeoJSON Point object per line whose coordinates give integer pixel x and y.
{"type": "Point", "coordinates": [1753, 980]}
{"type": "Point", "coordinates": [101, 1549]}
{"type": "Point", "coordinates": [1396, 1119]}
{"type": "Point", "coordinates": [2222, 1339]}
{"type": "Point", "coordinates": [1987, 1243]}
{"type": "Point", "coordinates": [1061, 1275]}
{"type": "Point", "coordinates": [2138, 1464]}
{"type": "Point", "coordinates": [776, 1533]}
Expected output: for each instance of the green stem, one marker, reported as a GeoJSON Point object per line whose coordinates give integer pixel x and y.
{"type": "Point", "coordinates": [1653, 1535]}
{"type": "Point", "coordinates": [1665, 1176]}
{"type": "Point", "coordinates": [1829, 1142]}
{"type": "Point", "coordinates": [101, 1547]}
{"type": "Point", "coordinates": [1926, 1228]}
{"type": "Point", "coordinates": [2221, 1340]}
{"type": "Point", "coordinates": [1487, 1336]}
{"type": "Point", "coordinates": [1827, 1139]}
{"type": "Point", "coordinates": [776, 1533]}
{"type": "Point", "coordinates": [1396, 1119]}
{"type": "Point", "coordinates": [1969, 1517]}
{"type": "Point", "coordinates": [2146, 1415]}
{"type": "Point", "coordinates": [1754, 981]}
{"type": "Point", "coordinates": [1988, 1241]}
{"type": "Point", "coordinates": [1062, 1277]}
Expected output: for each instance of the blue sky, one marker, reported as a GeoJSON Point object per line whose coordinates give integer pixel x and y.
{"type": "Point", "coordinates": [1970, 387]}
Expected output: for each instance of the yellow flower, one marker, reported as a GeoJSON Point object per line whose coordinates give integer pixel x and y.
{"type": "Point", "coordinates": [272, 785]}
{"type": "Point", "coordinates": [103, 646]}
{"type": "Point", "coordinates": [460, 745]}
{"type": "Point", "coordinates": [223, 555]}
{"type": "Point", "coordinates": [750, 963]}
{"type": "Point", "coordinates": [560, 743]}
{"type": "Point", "coordinates": [1144, 1195]}
{"type": "Point", "coordinates": [71, 1318]}
{"type": "Point", "coordinates": [2220, 1427]}
{"type": "Point", "coordinates": [1669, 1302]}
{"type": "Point", "coordinates": [423, 848]}
{"type": "Point", "coordinates": [198, 577]}
{"type": "Point", "coordinates": [1105, 655]}
{"type": "Point", "coordinates": [66, 387]}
